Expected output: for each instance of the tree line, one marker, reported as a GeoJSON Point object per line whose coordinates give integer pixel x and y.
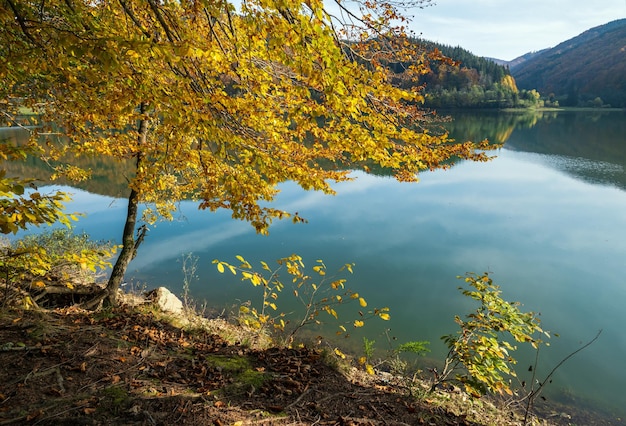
{"type": "Point", "coordinates": [465, 80]}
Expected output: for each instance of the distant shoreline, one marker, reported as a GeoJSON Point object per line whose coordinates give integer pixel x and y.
{"type": "Point", "coordinates": [559, 109]}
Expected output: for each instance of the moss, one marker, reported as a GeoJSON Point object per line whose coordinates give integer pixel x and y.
{"type": "Point", "coordinates": [252, 378]}
{"type": "Point", "coordinates": [245, 377]}
{"type": "Point", "coordinates": [230, 364]}
{"type": "Point", "coordinates": [117, 395]}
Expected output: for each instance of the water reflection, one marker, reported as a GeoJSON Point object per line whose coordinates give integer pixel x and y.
{"type": "Point", "coordinates": [553, 242]}
{"type": "Point", "coordinates": [546, 218]}
{"type": "Point", "coordinates": [590, 146]}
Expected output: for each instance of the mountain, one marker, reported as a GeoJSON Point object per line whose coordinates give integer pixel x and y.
{"type": "Point", "coordinates": [577, 71]}
{"type": "Point", "coordinates": [519, 60]}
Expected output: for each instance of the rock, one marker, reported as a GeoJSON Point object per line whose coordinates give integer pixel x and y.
{"type": "Point", "coordinates": [167, 301]}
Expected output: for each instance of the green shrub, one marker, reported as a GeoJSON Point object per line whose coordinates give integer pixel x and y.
{"type": "Point", "coordinates": [480, 353]}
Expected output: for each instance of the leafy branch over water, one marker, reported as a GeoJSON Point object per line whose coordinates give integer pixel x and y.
{"type": "Point", "coordinates": [479, 355]}
{"type": "Point", "coordinates": [317, 292]}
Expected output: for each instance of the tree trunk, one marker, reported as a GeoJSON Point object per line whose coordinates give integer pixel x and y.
{"type": "Point", "coordinates": [129, 243]}
{"type": "Point", "coordinates": [129, 249]}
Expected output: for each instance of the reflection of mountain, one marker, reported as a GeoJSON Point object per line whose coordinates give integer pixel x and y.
{"type": "Point", "coordinates": [588, 146]}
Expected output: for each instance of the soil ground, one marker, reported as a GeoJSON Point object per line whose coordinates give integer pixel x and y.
{"type": "Point", "coordinates": [127, 367]}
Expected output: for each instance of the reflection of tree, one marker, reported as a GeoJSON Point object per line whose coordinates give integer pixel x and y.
{"type": "Point", "coordinates": [108, 177]}
{"type": "Point", "coordinates": [495, 126]}
{"type": "Point", "coordinates": [596, 136]}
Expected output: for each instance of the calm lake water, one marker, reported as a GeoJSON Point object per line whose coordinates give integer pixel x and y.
{"type": "Point", "coordinates": [547, 219]}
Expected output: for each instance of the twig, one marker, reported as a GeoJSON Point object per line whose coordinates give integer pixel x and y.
{"type": "Point", "coordinates": [14, 421]}
{"type": "Point", "coordinates": [10, 348]}
{"type": "Point", "coordinates": [61, 412]}
{"type": "Point", "coordinates": [377, 413]}
{"type": "Point", "coordinates": [45, 372]}
{"type": "Point", "coordinates": [535, 393]}
{"type": "Point", "coordinates": [10, 117]}
{"type": "Point", "coordinates": [142, 360]}
{"type": "Point", "coordinates": [297, 401]}
{"type": "Point", "coordinates": [60, 380]}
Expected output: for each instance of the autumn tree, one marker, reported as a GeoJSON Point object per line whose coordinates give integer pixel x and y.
{"type": "Point", "coordinates": [221, 101]}
{"type": "Point", "coordinates": [30, 263]}
{"type": "Point", "coordinates": [21, 208]}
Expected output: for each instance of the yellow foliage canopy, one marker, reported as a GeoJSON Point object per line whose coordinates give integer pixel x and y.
{"type": "Point", "coordinates": [20, 207]}
{"type": "Point", "coordinates": [232, 99]}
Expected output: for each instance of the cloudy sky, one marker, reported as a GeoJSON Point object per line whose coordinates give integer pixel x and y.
{"type": "Point", "coordinates": [506, 29]}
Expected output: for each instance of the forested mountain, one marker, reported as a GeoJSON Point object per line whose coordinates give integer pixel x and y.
{"type": "Point", "coordinates": [589, 69]}
{"type": "Point", "coordinates": [471, 82]}
{"type": "Point", "coordinates": [519, 60]}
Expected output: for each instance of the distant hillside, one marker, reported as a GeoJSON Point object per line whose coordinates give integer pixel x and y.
{"type": "Point", "coordinates": [521, 59]}
{"type": "Point", "coordinates": [589, 66]}
{"type": "Point", "coordinates": [472, 82]}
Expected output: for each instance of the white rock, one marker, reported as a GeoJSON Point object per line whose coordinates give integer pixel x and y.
{"type": "Point", "coordinates": [167, 301]}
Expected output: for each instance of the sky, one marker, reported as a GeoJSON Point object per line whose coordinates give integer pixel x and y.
{"type": "Point", "coordinates": [507, 29]}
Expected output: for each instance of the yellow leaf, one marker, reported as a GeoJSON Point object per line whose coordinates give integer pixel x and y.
{"type": "Point", "coordinates": [369, 369]}
{"type": "Point", "coordinates": [358, 323]}
{"type": "Point", "coordinates": [362, 302]}
{"type": "Point", "coordinates": [385, 316]}
{"type": "Point", "coordinates": [220, 268]}
{"type": "Point", "coordinates": [340, 354]}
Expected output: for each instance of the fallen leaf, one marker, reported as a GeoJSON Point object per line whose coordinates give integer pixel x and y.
{"type": "Point", "coordinates": [33, 415]}
{"type": "Point", "coordinates": [93, 351]}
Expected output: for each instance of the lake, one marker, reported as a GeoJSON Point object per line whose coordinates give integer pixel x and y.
{"type": "Point", "coordinates": [546, 218]}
